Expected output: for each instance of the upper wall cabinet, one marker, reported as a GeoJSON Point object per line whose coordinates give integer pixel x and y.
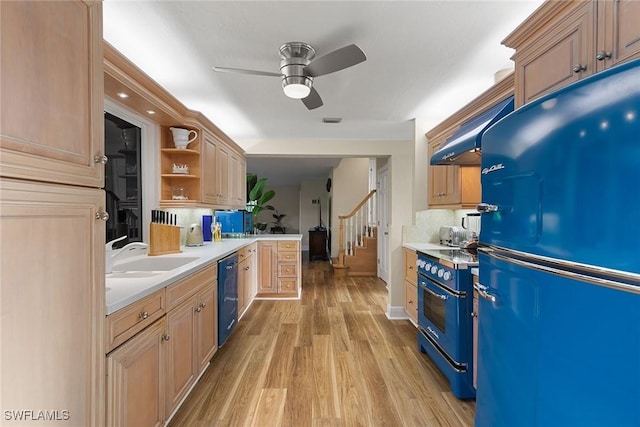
{"type": "Point", "coordinates": [209, 172]}
{"type": "Point", "coordinates": [453, 186]}
{"type": "Point", "coordinates": [562, 42]}
{"type": "Point", "coordinates": [51, 126]}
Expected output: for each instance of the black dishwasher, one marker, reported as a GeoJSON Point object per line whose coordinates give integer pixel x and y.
{"type": "Point", "coordinates": [227, 296]}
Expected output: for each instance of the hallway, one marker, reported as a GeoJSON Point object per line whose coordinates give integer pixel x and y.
{"type": "Point", "coordinates": [332, 358]}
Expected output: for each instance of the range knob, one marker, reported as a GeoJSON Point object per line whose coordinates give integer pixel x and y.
{"type": "Point", "coordinates": [446, 275]}
{"type": "Point", "coordinates": [419, 263]}
{"type": "Point", "coordinates": [440, 272]}
{"type": "Point", "coordinates": [434, 269]}
{"type": "Point", "coordinates": [428, 266]}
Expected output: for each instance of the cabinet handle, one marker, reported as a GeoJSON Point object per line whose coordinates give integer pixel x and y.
{"type": "Point", "coordinates": [143, 315]}
{"type": "Point", "coordinates": [166, 337]}
{"type": "Point", "coordinates": [246, 268]}
{"type": "Point", "coordinates": [410, 301]}
{"type": "Point", "coordinates": [602, 55]}
{"type": "Point", "coordinates": [102, 215]}
{"type": "Point", "coordinates": [579, 68]}
{"type": "Point", "coordinates": [199, 309]}
{"type": "Point", "coordinates": [204, 304]}
{"type": "Point", "coordinates": [100, 159]}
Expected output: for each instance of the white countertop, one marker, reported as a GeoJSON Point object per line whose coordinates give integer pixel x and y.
{"type": "Point", "coordinates": [425, 246]}
{"type": "Point", "coordinates": [122, 292]}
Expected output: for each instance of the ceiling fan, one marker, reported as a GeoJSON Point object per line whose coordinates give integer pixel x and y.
{"type": "Point", "coordinates": [298, 68]}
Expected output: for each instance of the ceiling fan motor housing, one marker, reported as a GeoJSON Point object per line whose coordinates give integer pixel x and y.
{"type": "Point", "coordinates": [294, 57]}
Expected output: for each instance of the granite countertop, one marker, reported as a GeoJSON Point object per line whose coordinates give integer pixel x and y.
{"type": "Point", "coordinates": [121, 292]}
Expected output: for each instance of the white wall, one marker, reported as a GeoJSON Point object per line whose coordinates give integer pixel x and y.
{"type": "Point", "coordinates": [286, 201]}
{"type": "Point", "coordinates": [350, 186]}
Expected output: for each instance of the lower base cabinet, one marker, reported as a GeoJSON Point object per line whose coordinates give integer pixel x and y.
{"type": "Point", "coordinates": [136, 379]}
{"type": "Point", "coordinates": [150, 374]}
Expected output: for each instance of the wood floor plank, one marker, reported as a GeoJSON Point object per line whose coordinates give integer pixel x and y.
{"type": "Point", "coordinates": [270, 407]}
{"type": "Point", "coordinates": [300, 389]}
{"type": "Point", "coordinates": [325, 399]}
{"type": "Point", "coordinates": [332, 358]}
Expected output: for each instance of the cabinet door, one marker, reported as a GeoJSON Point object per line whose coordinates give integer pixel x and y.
{"type": "Point", "coordinates": [135, 388]}
{"type": "Point", "coordinates": [206, 325]}
{"type": "Point", "coordinates": [559, 57]}
{"type": "Point", "coordinates": [52, 125]}
{"type": "Point", "coordinates": [222, 161]}
{"type": "Point", "coordinates": [209, 168]}
{"type": "Point", "coordinates": [181, 370]}
{"type": "Point", "coordinates": [242, 299]}
{"type": "Point", "coordinates": [618, 32]}
{"type": "Point", "coordinates": [267, 267]}
{"type": "Point", "coordinates": [52, 308]}
{"type": "Point", "coordinates": [443, 181]}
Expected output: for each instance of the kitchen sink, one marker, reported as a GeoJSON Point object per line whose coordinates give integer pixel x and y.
{"type": "Point", "coordinates": [151, 265]}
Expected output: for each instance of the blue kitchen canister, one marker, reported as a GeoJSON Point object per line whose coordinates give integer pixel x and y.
{"type": "Point", "coordinates": [206, 227]}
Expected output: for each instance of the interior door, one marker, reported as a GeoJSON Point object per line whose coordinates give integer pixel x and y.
{"type": "Point", "coordinates": [383, 224]}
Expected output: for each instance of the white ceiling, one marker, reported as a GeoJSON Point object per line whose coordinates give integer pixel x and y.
{"type": "Point", "coordinates": [425, 60]}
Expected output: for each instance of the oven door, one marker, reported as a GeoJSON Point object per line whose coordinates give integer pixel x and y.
{"type": "Point", "coordinates": [440, 312]}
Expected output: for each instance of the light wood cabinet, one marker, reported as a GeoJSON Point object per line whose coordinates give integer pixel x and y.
{"type": "Point", "coordinates": [267, 267]}
{"type": "Point", "coordinates": [157, 358]}
{"type": "Point", "coordinates": [453, 186]}
{"type": "Point", "coordinates": [410, 285]}
{"type": "Point", "coordinates": [192, 330]}
{"type": "Point", "coordinates": [562, 42]}
{"type": "Point", "coordinates": [217, 165]}
{"type": "Point", "coordinates": [246, 276]}
{"type": "Point", "coordinates": [51, 126]}
{"type": "Point", "coordinates": [279, 268]}
{"type": "Point", "coordinates": [52, 303]}
{"type": "Point", "coordinates": [136, 386]}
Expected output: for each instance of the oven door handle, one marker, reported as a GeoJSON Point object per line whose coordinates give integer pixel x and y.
{"type": "Point", "coordinates": [435, 294]}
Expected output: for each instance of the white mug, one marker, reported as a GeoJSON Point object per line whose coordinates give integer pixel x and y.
{"type": "Point", "coordinates": [181, 137]}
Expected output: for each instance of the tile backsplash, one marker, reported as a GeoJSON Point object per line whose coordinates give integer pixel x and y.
{"type": "Point", "coordinates": [428, 223]}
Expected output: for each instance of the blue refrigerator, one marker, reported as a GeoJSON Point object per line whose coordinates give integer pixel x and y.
{"type": "Point", "coordinates": [559, 256]}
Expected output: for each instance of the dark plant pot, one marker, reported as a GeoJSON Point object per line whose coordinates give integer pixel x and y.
{"type": "Point", "coordinates": [278, 230]}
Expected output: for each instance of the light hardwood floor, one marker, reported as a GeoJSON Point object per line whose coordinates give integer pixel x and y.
{"type": "Point", "coordinates": [330, 359]}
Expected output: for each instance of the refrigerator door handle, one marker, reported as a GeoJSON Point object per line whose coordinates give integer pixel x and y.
{"type": "Point", "coordinates": [482, 291]}
{"type": "Point", "coordinates": [486, 208]}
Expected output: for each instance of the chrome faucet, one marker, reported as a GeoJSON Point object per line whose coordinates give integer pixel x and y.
{"type": "Point", "coordinates": [110, 254]}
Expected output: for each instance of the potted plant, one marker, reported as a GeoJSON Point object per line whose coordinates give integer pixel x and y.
{"type": "Point", "coordinates": [257, 198]}
{"type": "Point", "coordinates": [278, 227]}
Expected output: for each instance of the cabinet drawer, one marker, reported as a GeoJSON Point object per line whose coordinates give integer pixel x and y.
{"type": "Point", "coordinates": [128, 321]}
{"type": "Point", "coordinates": [288, 286]}
{"type": "Point", "coordinates": [288, 245]}
{"type": "Point", "coordinates": [410, 272]}
{"type": "Point", "coordinates": [411, 300]}
{"type": "Point", "coordinates": [185, 288]}
{"type": "Point", "coordinates": [287, 256]}
{"type": "Point", "coordinates": [287, 269]}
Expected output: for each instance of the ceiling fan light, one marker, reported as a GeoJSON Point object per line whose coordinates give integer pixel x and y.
{"type": "Point", "coordinates": [296, 87]}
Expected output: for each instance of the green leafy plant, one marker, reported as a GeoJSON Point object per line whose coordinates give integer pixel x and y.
{"type": "Point", "coordinates": [277, 224]}
{"type": "Point", "coordinates": [257, 198]}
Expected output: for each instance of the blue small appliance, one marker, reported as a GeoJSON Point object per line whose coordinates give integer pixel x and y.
{"type": "Point", "coordinates": [234, 222]}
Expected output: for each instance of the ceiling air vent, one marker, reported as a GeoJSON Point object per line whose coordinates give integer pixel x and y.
{"type": "Point", "coordinates": [332, 120]}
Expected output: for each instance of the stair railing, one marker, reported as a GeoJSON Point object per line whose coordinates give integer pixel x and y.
{"type": "Point", "coordinates": [355, 225]}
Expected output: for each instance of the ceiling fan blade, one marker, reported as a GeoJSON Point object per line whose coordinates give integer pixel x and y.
{"type": "Point", "coordinates": [243, 71]}
{"type": "Point", "coordinates": [337, 60]}
{"type": "Point", "coordinates": [313, 100]}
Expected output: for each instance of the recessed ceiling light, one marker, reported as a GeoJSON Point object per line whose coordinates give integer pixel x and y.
{"type": "Point", "coordinates": [150, 112]}
{"type": "Point", "coordinates": [332, 120]}
{"type": "Point", "coordinates": [122, 95]}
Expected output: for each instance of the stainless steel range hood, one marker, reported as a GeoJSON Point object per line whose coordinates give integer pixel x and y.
{"type": "Point", "coordinates": [463, 148]}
